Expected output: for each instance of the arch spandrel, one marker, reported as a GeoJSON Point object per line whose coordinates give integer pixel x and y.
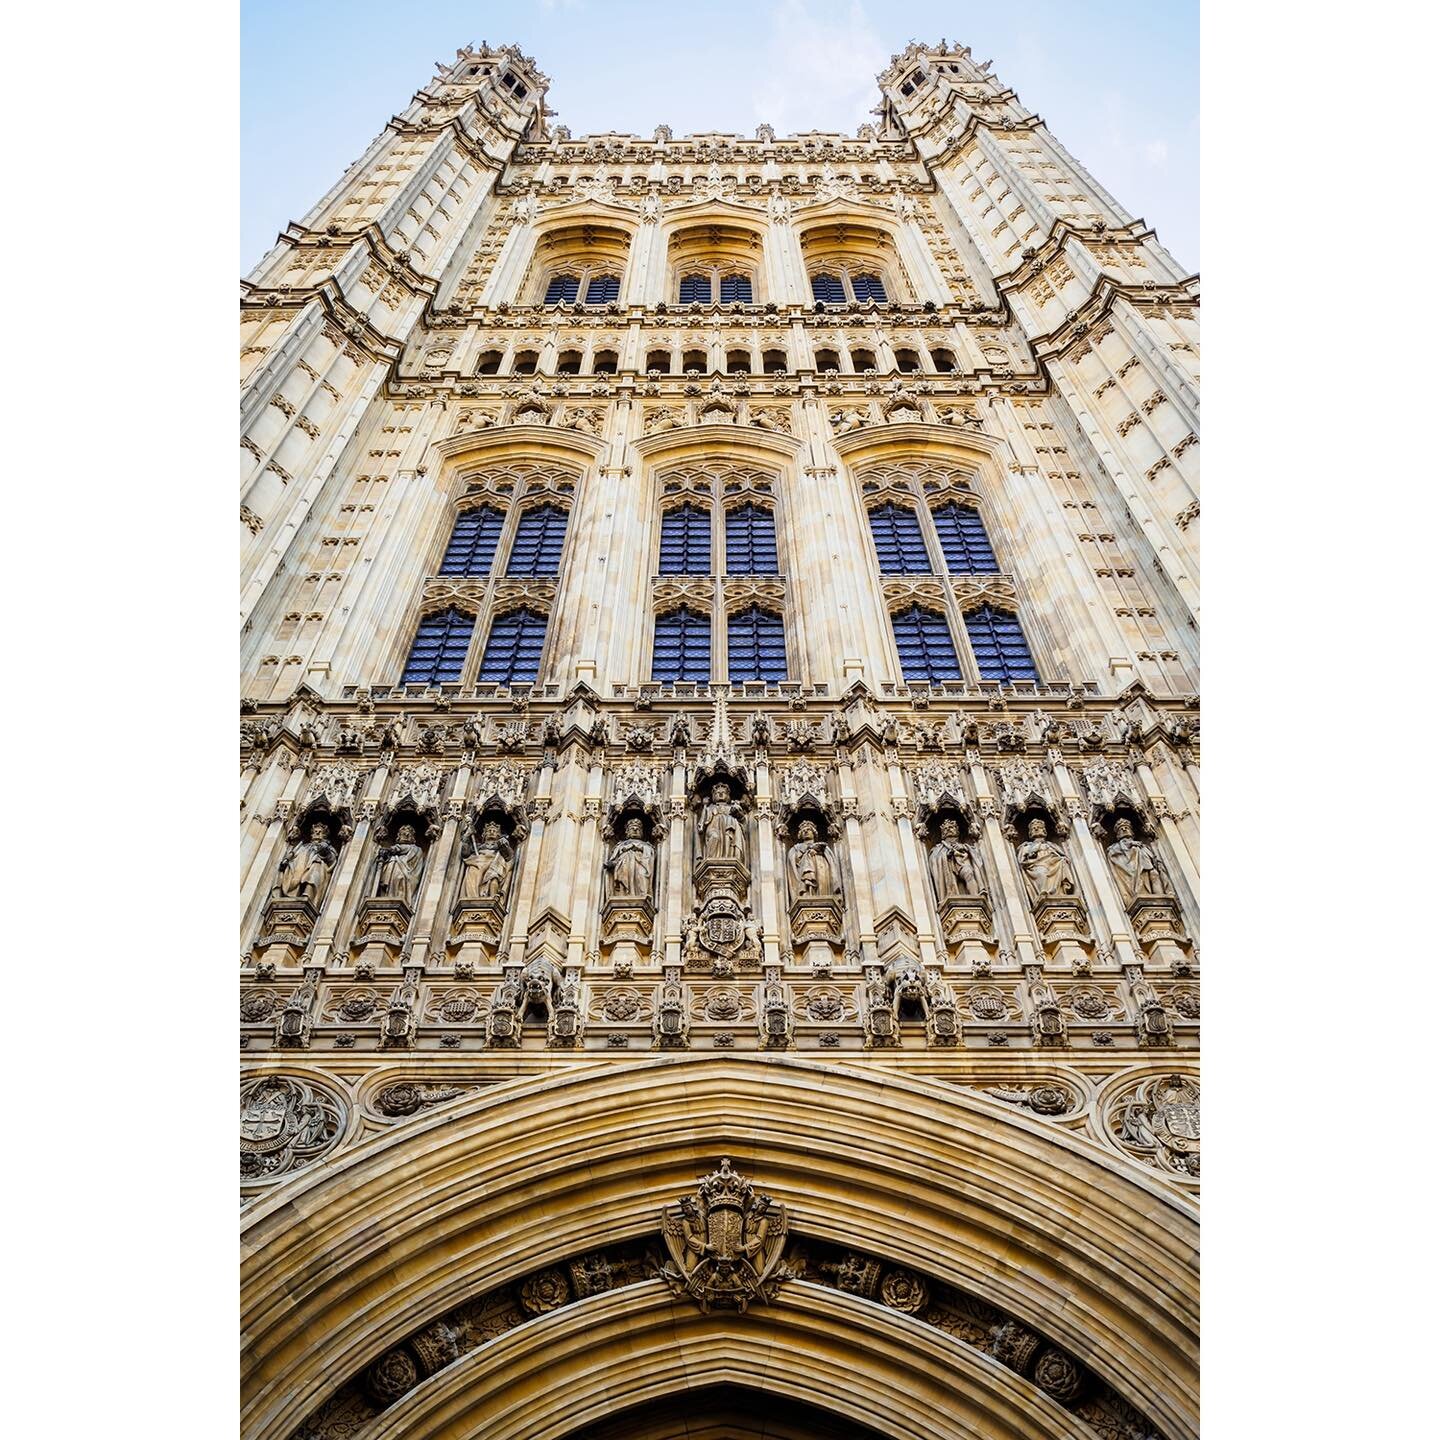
{"type": "Point", "coordinates": [348, 1258]}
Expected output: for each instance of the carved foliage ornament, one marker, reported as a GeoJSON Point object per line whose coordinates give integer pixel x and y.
{"type": "Point", "coordinates": [284, 1124]}
{"type": "Point", "coordinates": [725, 1242]}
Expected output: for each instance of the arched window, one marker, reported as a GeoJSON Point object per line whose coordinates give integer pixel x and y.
{"type": "Point", "coordinates": [863, 360]}
{"type": "Point", "coordinates": [737, 362]}
{"type": "Point", "coordinates": [471, 550]}
{"type": "Point", "coordinates": [827, 360]}
{"type": "Point", "coordinates": [750, 541]}
{"type": "Point", "coordinates": [944, 361]}
{"type": "Point", "coordinates": [512, 653]}
{"type": "Point", "coordinates": [907, 362]}
{"type": "Point", "coordinates": [568, 363]}
{"type": "Point", "coordinates": [999, 645]}
{"type": "Point", "coordinates": [734, 290]}
{"type": "Point", "coordinates": [757, 646]}
{"type": "Point", "coordinates": [963, 540]}
{"type": "Point", "coordinates": [696, 360]}
{"type": "Point", "coordinates": [658, 360]}
{"type": "Point", "coordinates": [562, 288]}
{"type": "Point", "coordinates": [685, 541]}
{"type": "Point", "coordinates": [695, 289]}
{"type": "Point", "coordinates": [488, 363]}
{"type": "Point", "coordinates": [898, 541]}
{"type": "Point", "coordinates": [525, 363]}
{"type": "Point", "coordinates": [682, 646]}
{"type": "Point", "coordinates": [437, 654]}
{"type": "Point", "coordinates": [867, 286]}
{"type": "Point", "coordinates": [827, 289]}
{"type": "Point", "coordinates": [926, 651]}
{"type": "Point", "coordinates": [602, 289]}
{"type": "Point", "coordinates": [539, 539]}
{"type": "Point", "coordinates": [605, 362]}
{"type": "Point", "coordinates": [775, 362]}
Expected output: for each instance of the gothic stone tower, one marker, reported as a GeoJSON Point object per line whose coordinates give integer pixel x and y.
{"type": "Point", "coordinates": [719, 756]}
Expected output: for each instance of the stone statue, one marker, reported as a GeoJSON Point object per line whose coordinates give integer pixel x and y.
{"type": "Point", "coordinates": [1043, 864]}
{"type": "Point", "coordinates": [305, 869]}
{"type": "Point", "coordinates": [722, 827]}
{"type": "Point", "coordinates": [954, 868]}
{"type": "Point", "coordinates": [1133, 864]}
{"type": "Point", "coordinates": [631, 864]}
{"type": "Point", "coordinates": [811, 865]}
{"type": "Point", "coordinates": [485, 869]}
{"type": "Point", "coordinates": [398, 867]}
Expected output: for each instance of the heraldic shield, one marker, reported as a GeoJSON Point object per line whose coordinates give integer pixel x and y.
{"type": "Point", "coordinates": [725, 1243]}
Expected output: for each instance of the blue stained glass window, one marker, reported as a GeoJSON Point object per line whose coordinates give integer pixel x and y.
{"type": "Point", "coordinates": [898, 541]}
{"type": "Point", "coordinates": [964, 541]}
{"type": "Point", "coordinates": [999, 645]}
{"type": "Point", "coordinates": [926, 651]}
{"type": "Point", "coordinates": [734, 289]}
{"type": "Point", "coordinates": [757, 646]}
{"type": "Point", "coordinates": [562, 287]}
{"type": "Point", "coordinates": [602, 289]}
{"type": "Point", "coordinates": [539, 539]}
{"type": "Point", "coordinates": [685, 541]}
{"type": "Point", "coordinates": [512, 653]}
{"type": "Point", "coordinates": [437, 654]}
{"type": "Point", "coordinates": [695, 290]}
{"type": "Point", "coordinates": [471, 550]}
{"type": "Point", "coordinates": [750, 541]}
{"type": "Point", "coordinates": [827, 289]}
{"type": "Point", "coordinates": [682, 646]}
{"type": "Point", "coordinates": [867, 287]}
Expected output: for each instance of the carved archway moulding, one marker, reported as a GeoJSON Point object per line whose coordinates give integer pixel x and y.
{"type": "Point", "coordinates": [877, 444]}
{"type": "Point", "coordinates": [735, 442]}
{"type": "Point", "coordinates": [350, 1257]}
{"type": "Point", "coordinates": [518, 442]}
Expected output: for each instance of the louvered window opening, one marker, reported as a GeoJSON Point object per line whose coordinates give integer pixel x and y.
{"type": "Point", "coordinates": [685, 541]}
{"type": "Point", "coordinates": [682, 647]}
{"type": "Point", "coordinates": [867, 287]}
{"type": "Point", "coordinates": [898, 541]}
{"type": "Point", "coordinates": [999, 645]}
{"type": "Point", "coordinates": [827, 289]}
{"type": "Point", "coordinates": [757, 646]}
{"type": "Point", "coordinates": [437, 655]}
{"type": "Point", "coordinates": [539, 539]}
{"type": "Point", "coordinates": [695, 290]}
{"type": "Point", "coordinates": [750, 541]}
{"type": "Point", "coordinates": [512, 653]}
{"type": "Point", "coordinates": [602, 290]}
{"type": "Point", "coordinates": [964, 541]}
{"type": "Point", "coordinates": [471, 550]}
{"type": "Point", "coordinates": [734, 289]}
{"type": "Point", "coordinates": [926, 650]}
{"type": "Point", "coordinates": [562, 288]}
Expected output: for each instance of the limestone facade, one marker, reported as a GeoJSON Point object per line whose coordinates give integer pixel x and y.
{"type": "Point", "coordinates": [720, 783]}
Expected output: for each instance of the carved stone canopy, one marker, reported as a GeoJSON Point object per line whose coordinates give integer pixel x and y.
{"type": "Point", "coordinates": [636, 790]}
{"type": "Point", "coordinates": [339, 823]}
{"type": "Point", "coordinates": [426, 823]}
{"type": "Point", "coordinates": [720, 769]}
{"type": "Point", "coordinates": [805, 792]}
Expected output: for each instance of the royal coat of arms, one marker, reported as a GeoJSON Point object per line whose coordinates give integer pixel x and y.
{"type": "Point", "coordinates": [725, 1243]}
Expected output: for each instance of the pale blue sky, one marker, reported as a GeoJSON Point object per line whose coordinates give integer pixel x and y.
{"type": "Point", "coordinates": [1116, 80]}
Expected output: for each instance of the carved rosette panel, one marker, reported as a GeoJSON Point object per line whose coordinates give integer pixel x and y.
{"type": "Point", "coordinates": [991, 1005]}
{"type": "Point", "coordinates": [260, 1004]}
{"type": "Point", "coordinates": [1091, 1003]}
{"type": "Point", "coordinates": [722, 1003]}
{"type": "Point", "coordinates": [285, 1123]}
{"type": "Point", "coordinates": [1157, 1122]}
{"type": "Point", "coordinates": [621, 1003]}
{"type": "Point", "coordinates": [825, 1005]}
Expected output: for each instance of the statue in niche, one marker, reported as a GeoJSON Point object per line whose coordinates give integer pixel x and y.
{"type": "Point", "coordinates": [810, 865]}
{"type": "Point", "coordinates": [954, 866]}
{"type": "Point", "coordinates": [1047, 872]}
{"type": "Point", "coordinates": [398, 867]}
{"type": "Point", "coordinates": [306, 867]}
{"type": "Point", "coordinates": [1133, 864]}
{"type": "Point", "coordinates": [630, 867]}
{"type": "Point", "coordinates": [486, 865]}
{"type": "Point", "coordinates": [722, 826]}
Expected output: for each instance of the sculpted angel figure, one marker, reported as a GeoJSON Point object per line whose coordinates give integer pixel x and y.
{"type": "Point", "coordinates": [486, 866]}
{"type": "Point", "coordinates": [1043, 864]}
{"type": "Point", "coordinates": [1132, 862]}
{"type": "Point", "coordinates": [398, 867]}
{"type": "Point", "coordinates": [954, 869]}
{"type": "Point", "coordinates": [306, 866]}
{"type": "Point", "coordinates": [630, 866]}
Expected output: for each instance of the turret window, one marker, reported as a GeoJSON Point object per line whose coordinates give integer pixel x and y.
{"type": "Point", "coordinates": [473, 542]}
{"type": "Point", "coordinates": [539, 540]}
{"type": "Point", "coordinates": [756, 642]}
{"type": "Point", "coordinates": [923, 641]}
{"type": "Point", "coordinates": [437, 654]}
{"type": "Point", "coordinates": [512, 653]}
{"type": "Point", "coordinates": [999, 645]}
{"type": "Point", "coordinates": [682, 646]}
